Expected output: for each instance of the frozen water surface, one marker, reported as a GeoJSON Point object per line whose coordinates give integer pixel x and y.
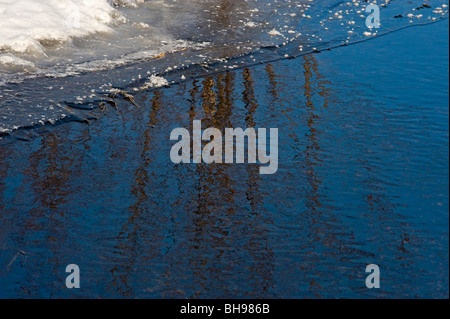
{"type": "Point", "coordinates": [51, 67]}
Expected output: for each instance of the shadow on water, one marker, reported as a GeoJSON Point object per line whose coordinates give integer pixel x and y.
{"type": "Point", "coordinates": [107, 197]}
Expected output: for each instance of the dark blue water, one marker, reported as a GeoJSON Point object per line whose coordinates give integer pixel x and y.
{"type": "Point", "coordinates": [363, 179]}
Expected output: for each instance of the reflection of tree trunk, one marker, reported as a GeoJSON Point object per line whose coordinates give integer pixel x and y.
{"type": "Point", "coordinates": [313, 148]}
{"type": "Point", "coordinates": [262, 268]}
{"type": "Point", "coordinates": [223, 15]}
{"type": "Point", "coordinates": [273, 84]}
{"type": "Point", "coordinates": [57, 172]}
{"type": "Point", "coordinates": [193, 100]}
{"type": "Point", "coordinates": [319, 228]}
{"type": "Point", "coordinates": [225, 87]}
{"type": "Point", "coordinates": [209, 98]}
{"type": "Point", "coordinates": [51, 170]}
{"type": "Point", "coordinates": [379, 205]}
{"type": "Point", "coordinates": [249, 98]}
{"type": "Point", "coordinates": [212, 179]}
{"type": "Point", "coordinates": [129, 242]}
{"type": "Point", "coordinates": [216, 228]}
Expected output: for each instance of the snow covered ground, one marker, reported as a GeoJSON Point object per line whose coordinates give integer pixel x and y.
{"type": "Point", "coordinates": [24, 24]}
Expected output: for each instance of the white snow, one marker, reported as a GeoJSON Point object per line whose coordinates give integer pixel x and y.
{"type": "Point", "coordinates": [250, 24]}
{"type": "Point", "coordinates": [15, 61]}
{"type": "Point", "coordinates": [27, 24]}
{"type": "Point", "coordinates": [274, 33]}
{"type": "Point", "coordinates": [156, 82]}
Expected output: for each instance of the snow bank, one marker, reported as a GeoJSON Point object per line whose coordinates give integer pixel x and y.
{"type": "Point", "coordinates": [27, 25]}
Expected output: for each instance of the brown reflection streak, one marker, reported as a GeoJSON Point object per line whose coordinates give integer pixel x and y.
{"type": "Point", "coordinates": [324, 228]}
{"type": "Point", "coordinates": [209, 99]}
{"type": "Point", "coordinates": [224, 13]}
{"type": "Point", "coordinates": [212, 179]}
{"type": "Point", "coordinates": [193, 100]}
{"type": "Point", "coordinates": [313, 147]}
{"type": "Point", "coordinates": [249, 98]}
{"type": "Point", "coordinates": [311, 160]}
{"type": "Point", "coordinates": [224, 84]}
{"type": "Point", "coordinates": [128, 239]}
{"type": "Point", "coordinates": [272, 81]}
{"type": "Point", "coordinates": [224, 16]}
{"type": "Point", "coordinates": [257, 247]}
{"type": "Point", "coordinates": [220, 228]}
{"type": "Point", "coordinates": [56, 172]}
{"type": "Point", "coordinates": [50, 171]}
{"type": "Point", "coordinates": [224, 23]}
